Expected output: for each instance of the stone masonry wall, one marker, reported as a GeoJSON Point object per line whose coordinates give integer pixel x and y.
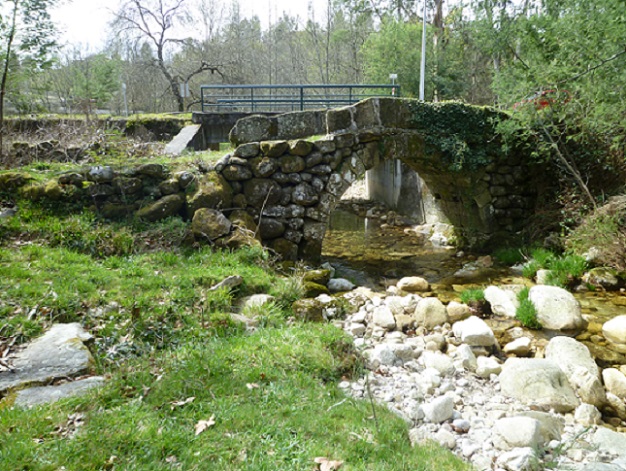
{"type": "Point", "coordinates": [290, 187]}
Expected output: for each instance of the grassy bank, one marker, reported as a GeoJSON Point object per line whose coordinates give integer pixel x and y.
{"type": "Point", "coordinates": [173, 358]}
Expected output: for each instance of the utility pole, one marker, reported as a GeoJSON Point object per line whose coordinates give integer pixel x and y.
{"type": "Point", "coordinates": [423, 58]}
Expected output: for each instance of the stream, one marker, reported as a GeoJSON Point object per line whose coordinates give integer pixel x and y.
{"type": "Point", "coordinates": [371, 253]}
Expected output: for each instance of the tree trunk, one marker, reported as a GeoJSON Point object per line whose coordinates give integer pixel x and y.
{"type": "Point", "coordinates": [5, 75]}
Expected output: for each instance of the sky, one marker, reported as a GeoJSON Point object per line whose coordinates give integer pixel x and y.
{"type": "Point", "coordinates": [84, 22]}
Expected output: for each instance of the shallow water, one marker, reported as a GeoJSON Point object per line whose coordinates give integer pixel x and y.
{"type": "Point", "coordinates": [376, 255]}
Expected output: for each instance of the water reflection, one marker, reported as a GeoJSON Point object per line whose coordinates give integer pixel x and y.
{"type": "Point", "coordinates": [371, 253]}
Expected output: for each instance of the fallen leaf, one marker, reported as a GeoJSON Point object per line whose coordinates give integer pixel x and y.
{"type": "Point", "coordinates": [202, 425]}
{"type": "Point", "coordinates": [189, 400]}
{"type": "Point", "coordinates": [252, 386]}
{"type": "Point", "coordinates": [328, 465]}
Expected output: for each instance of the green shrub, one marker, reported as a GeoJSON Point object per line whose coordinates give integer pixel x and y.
{"type": "Point", "coordinates": [530, 269]}
{"type": "Point", "coordinates": [566, 270]}
{"type": "Point", "coordinates": [509, 255]}
{"type": "Point", "coordinates": [470, 296]}
{"type": "Point", "coordinates": [526, 312]}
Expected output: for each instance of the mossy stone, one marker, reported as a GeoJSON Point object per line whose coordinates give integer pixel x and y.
{"type": "Point", "coordinates": [310, 310]}
{"type": "Point", "coordinates": [321, 276]}
{"type": "Point", "coordinates": [213, 192]}
{"type": "Point", "coordinates": [312, 290]}
{"type": "Point", "coordinates": [11, 181]}
{"type": "Point", "coordinates": [53, 191]}
{"type": "Point", "coordinates": [163, 208]}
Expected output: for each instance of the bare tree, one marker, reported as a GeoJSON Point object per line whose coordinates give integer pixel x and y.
{"type": "Point", "coordinates": [156, 22]}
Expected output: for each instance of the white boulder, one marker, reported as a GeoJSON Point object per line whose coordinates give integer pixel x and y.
{"type": "Point", "coordinates": [383, 317]}
{"type": "Point", "coordinates": [517, 432]}
{"type": "Point", "coordinates": [438, 410]}
{"type": "Point", "coordinates": [413, 284]}
{"type": "Point", "coordinates": [487, 366]}
{"type": "Point", "coordinates": [339, 285]}
{"type": "Point", "coordinates": [615, 382]}
{"type": "Point", "coordinates": [615, 332]}
{"type": "Point", "coordinates": [474, 332]}
{"type": "Point", "coordinates": [587, 415]}
{"type": "Point", "coordinates": [519, 347]}
{"type": "Point", "coordinates": [538, 382]}
{"type": "Point", "coordinates": [430, 312]}
{"type": "Point", "coordinates": [503, 301]}
{"type": "Point", "coordinates": [581, 370]}
{"type": "Point", "coordinates": [518, 459]}
{"type": "Point", "coordinates": [557, 309]}
{"type": "Point", "coordinates": [457, 311]}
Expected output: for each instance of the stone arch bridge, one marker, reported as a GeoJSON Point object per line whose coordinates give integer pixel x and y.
{"type": "Point", "coordinates": [290, 185]}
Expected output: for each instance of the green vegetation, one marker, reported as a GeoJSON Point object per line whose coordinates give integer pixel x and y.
{"type": "Point", "coordinates": [174, 356]}
{"type": "Point", "coordinates": [509, 255]}
{"type": "Point", "coordinates": [604, 232]}
{"type": "Point", "coordinates": [469, 296]}
{"type": "Point", "coordinates": [526, 312]}
{"type": "Point", "coordinates": [564, 270]}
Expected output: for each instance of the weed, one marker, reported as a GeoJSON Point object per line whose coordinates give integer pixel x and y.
{"type": "Point", "coordinates": [469, 296]}
{"type": "Point", "coordinates": [526, 312]}
{"type": "Point", "coordinates": [509, 255]}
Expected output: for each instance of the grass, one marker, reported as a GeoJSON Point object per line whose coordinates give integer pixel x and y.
{"type": "Point", "coordinates": [565, 270]}
{"type": "Point", "coordinates": [272, 395]}
{"type": "Point", "coordinates": [509, 255]}
{"type": "Point", "coordinates": [526, 312]}
{"type": "Point", "coordinates": [469, 296]}
{"type": "Point", "coordinates": [173, 357]}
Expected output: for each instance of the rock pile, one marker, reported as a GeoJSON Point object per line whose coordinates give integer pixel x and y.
{"type": "Point", "coordinates": [445, 373]}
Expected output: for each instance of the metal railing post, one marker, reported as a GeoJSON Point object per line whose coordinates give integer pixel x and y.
{"type": "Point", "coordinates": [301, 98]}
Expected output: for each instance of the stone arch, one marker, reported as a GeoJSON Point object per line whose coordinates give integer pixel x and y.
{"type": "Point", "coordinates": [291, 185]}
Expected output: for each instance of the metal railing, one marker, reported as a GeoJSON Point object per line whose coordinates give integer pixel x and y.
{"type": "Point", "coordinates": [285, 98]}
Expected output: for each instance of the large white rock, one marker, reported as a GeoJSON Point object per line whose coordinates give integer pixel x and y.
{"type": "Point", "coordinates": [465, 355]}
{"type": "Point", "coordinates": [381, 354]}
{"type": "Point", "coordinates": [457, 311]}
{"type": "Point", "coordinates": [615, 382]}
{"type": "Point", "coordinates": [581, 370]}
{"type": "Point", "coordinates": [517, 432]}
{"type": "Point", "coordinates": [474, 332]}
{"type": "Point", "coordinates": [587, 415]}
{"type": "Point", "coordinates": [518, 459]}
{"type": "Point", "coordinates": [487, 366]}
{"type": "Point", "coordinates": [439, 410]}
{"type": "Point", "coordinates": [256, 301]}
{"type": "Point", "coordinates": [557, 309]}
{"type": "Point", "coordinates": [609, 441]}
{"type": "Point", "coordinates": [383, 317]}
{"type": "Point", "coordinates": [617, 404]}
{"type": "Point", "coordinates": [615, 332]}
{"type": "Point", "coordinates": [503, 302]}
{"type": "Point", "coordinates": [430, 312]}
{"type": "Point", "coordinates": [538, 382]}
{"type": "Point", "coordinates": [519, 347]}
{"type": "Point", "coordinates": [570, 354]}
{"type": "Point", "coordinates": [59, 353]}
{"type": "Point", "coordinates": [438, 361]}
{"type": "Point", "coordinates": [413, 284]}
